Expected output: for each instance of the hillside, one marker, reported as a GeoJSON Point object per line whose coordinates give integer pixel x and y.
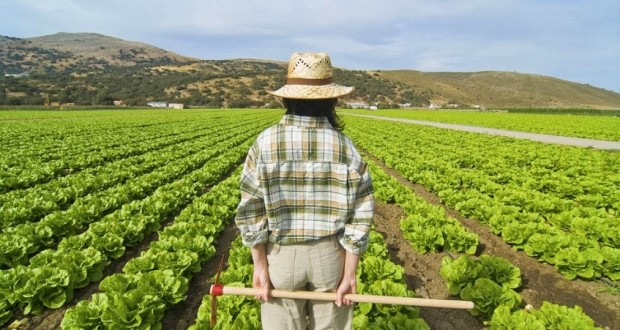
{"type": "Point", "coordinates": [90, 50]}
{"type": "Point", "coordinates": [505, 89]}
{"type": "Point", "coordinates": [93, 69]}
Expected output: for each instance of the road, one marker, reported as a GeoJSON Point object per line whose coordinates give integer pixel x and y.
{"type": "Point", "coordinates": [564, 140]}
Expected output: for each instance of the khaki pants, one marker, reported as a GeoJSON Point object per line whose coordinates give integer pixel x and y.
{"type": "Point", "coordinates": [311, 266]}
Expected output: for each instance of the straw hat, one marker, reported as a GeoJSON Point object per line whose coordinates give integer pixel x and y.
{"type": "Point", "coordinates": [310, 76]}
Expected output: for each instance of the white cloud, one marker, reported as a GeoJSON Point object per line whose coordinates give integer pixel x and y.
{"type": "Point", "coordinates": [573, 39]}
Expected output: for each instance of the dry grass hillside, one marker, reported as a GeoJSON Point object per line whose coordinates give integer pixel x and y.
{"type": "Point", "coordinates": [94, 69]}
{"type": "Point", "coordinates": [66, 50]}
{"type": "Point", "coordinates": [113, 50]}
{"type": "Point", "coordinates": [505, 89]}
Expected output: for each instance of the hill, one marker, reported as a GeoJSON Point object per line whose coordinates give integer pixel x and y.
{"type": "Point", "coordinates": [93, 69]}
{"type": "Point", "coordinates": [505, 89]}
{"type": "Point", "coordinates": [91, 50]}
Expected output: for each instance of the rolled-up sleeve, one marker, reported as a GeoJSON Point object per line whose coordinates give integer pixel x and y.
{"type": "Point", "coordinates": [356, 231]}
{"type": "Point", "coordinates": [251, 215]}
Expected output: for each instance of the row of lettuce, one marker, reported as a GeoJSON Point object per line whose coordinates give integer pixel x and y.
{"type": "Point", "coordinates": [38, 160]}
{"type": "Point", "coordinates": [559, 204]}
{"type": "Point", "coordinates": [45, 260]}
{"type": "Point", "coordinates": [488, 281]}
{"type": "Point", "coordinates": [50, 277]}
{"type": "Point", "coordinates": [21, 241]}
{"type": "Point", "coordinates": [159, 277]}
{"type": "Point", "coordinates": [30, 205]}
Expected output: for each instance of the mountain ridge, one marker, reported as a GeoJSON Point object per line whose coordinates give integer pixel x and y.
{"type": "Point", "coordinates": [81, 67]}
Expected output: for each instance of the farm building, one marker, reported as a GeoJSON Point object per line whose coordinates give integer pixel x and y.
{"type": "Point", "coordinates": [166, 105]}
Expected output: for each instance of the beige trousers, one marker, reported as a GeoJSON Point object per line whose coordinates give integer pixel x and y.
{"type": "Point", "coordinates": [310, 266]}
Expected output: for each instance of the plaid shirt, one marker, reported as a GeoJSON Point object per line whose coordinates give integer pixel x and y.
{"type": "Point", "coordinates": [303, 180]}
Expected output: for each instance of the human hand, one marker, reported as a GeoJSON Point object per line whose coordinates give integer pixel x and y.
{"type": "Point", "coordinates": [347, 285]}
{"type": "Point", "coordinates": [261, 281]}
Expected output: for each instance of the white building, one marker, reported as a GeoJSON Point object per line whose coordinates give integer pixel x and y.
{"type": "Point", "coordinates": [165, 105]}
{"type": "Point", "coordinates": [358, 105]}
{"type": "Point", "coordinates": [158, 104]}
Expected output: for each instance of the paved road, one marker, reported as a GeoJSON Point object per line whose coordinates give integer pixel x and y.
{"type": "Point", "coordinates": [572, 141]}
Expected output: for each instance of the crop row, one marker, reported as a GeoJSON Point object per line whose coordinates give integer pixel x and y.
{"type": "Point", "coordinates": [491, 283]}
{"type": "Point", "coordinates": [52, 276]}
{"type": "Point", "coordinates": [427, 227]}
{"type": "Point", "coordinates": [60, 144]}
{"type": "Point", "coordinates": [488, 281]}
{"type": "Point", "coordinates": [19, 206]}
{"type": "Point", "coordinates": [21, 241]}
{"type": "Point", "coordinates": [159, 277]}
{"type": "Point", "coordinates": [35, 170]}
{"type": "Point", "coordinates": [92, 130]}
{"type": "Point", "coordinates": [562, 203]}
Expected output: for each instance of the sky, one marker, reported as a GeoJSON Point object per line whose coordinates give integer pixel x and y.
{"type": "Point", "coordinates": [575, 40]}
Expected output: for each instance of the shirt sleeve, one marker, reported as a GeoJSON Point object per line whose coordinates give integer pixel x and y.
{"type": "Point", "coordinates": [356, 230]}
{"type": "Point", "coordinates": [251, 216]}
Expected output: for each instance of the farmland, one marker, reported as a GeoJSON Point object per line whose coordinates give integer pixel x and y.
{"type": "Point", "coordinates": [591, 127]}
{"type": "Point", "coordinates": [118, 219]}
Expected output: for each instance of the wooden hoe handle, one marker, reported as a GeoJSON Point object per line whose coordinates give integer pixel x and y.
{"type": "Point", "coordinates": [218, 289]}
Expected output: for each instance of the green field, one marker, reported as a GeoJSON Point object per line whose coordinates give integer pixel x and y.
{"type": "Point", "coordinates": [131, 205]}
{"type": "Point", "coordinates": [583, 126]}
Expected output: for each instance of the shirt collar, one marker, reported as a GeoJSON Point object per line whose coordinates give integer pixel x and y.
{"type": "Point", "coordinates": [305, 121]}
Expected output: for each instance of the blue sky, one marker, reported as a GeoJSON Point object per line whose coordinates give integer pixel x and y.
{"type": "Point", "coordinates": [572, 40]}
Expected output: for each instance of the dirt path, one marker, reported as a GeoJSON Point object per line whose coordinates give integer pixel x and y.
{"type": "Point", "coordinates": [183, 314]}
{"type": "Point", "coordinates": [541, 282]}
{"type": "Point", "coordinates": [421, 272]}
{"type": "Point", "coordinates": [564, 140]}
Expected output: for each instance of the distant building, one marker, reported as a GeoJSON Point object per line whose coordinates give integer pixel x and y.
{"type": "Point", "coordinates": [358, 105]}
{"type": "Point", "coordinates": [16, 75]}
{"type": "Point", "coordinates": [175, 105]}
{"type": "Point", "coordinates": [166, 105]}
{"type": "Point", "coordinates": [158, 104]}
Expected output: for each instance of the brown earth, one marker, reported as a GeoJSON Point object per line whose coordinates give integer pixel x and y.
{"type": "Point", "coordinates": [541, 282]}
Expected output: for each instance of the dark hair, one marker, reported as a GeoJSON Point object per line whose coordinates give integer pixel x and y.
{"type": "Point", "coordinates": [314, 108]}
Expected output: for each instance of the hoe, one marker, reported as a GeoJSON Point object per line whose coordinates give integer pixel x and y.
{"type": "Point", "coordinates": [218, 289]}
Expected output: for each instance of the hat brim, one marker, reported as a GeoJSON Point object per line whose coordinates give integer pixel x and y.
{"type": "Point", "coordinates": [312, 92]}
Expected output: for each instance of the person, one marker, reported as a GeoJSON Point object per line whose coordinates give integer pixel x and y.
{"type": "Point", "coordinates": [306, 203]}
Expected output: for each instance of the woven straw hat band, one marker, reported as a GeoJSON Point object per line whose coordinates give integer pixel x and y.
{"type": "Point", "coordinates": [312, 82]}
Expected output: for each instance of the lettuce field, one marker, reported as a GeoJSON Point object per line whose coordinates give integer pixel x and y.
{"type": "Point", "coordinates": [117, 219]}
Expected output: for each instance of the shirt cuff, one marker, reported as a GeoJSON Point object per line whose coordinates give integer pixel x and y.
{"type": "Point", "coordinates": [354, 245]}
{"type": "Point", "coordinates": [252, 238]}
